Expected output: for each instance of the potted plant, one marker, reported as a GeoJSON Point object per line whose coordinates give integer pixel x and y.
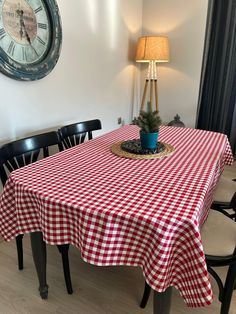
{"type": "Point", "coordinates": [149, 122]}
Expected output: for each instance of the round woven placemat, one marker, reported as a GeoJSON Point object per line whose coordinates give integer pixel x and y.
{"type": "Point", "coordinates": [117, 150]}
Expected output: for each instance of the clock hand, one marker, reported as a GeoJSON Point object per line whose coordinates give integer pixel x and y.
{"type": "Point", "coordinates": [23, 27]}
{"type": "Point", "coordinates": [21, 33]}
{"type": "Point", "coordinates": [28, 39]}
{"type": "Point", "coordinates": [20, 14]}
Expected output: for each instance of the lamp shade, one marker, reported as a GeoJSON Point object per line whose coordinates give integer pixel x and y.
{"type": "Point", "coordinates": [152, 48]}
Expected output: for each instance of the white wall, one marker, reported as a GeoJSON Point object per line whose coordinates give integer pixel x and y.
{"type": "Point", "coordinates": [183, 21]}
{"type": "Point", "coordinates": [94, 78]}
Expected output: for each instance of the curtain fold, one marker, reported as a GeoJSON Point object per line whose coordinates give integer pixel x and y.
{"type": "Point", "coordinates": [217, 95]}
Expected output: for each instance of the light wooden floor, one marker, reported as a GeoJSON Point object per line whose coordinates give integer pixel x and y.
{"type": "Point", "coordinates": [97, 290]}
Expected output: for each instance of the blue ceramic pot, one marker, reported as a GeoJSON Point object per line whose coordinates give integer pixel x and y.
{"type": "Point", "coordinates": [148, 140]}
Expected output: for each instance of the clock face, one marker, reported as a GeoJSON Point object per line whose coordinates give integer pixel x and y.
{"type": "Point", "coordinates": [24, 30]}
{"type": "Point", "coordinates": [30, 38]}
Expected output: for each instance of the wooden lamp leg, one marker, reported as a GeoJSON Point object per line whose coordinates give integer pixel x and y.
{"type": "Point", "coordinates": [151, 91]}
{"type": "Point", "coordinates": [153, 85]}
{"type": "Point", "coordinates": [156, 94]}
{"type": "Point", "coordinates": [144, 94]}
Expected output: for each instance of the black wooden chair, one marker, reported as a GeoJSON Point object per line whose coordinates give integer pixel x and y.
{"type": "Point", "coordinates": [219, 243]}
{"type": "Point", "coordinates": [224, 198]}
{"type": "Point", "coordinates": [76, 133]}
{"type": "Point", "coordinates": [72, 135]}
{"type": "Point", "coordinates": [20, 153]}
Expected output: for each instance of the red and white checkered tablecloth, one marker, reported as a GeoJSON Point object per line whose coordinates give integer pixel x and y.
{"type": "Point", "coordinates": [120, 211]}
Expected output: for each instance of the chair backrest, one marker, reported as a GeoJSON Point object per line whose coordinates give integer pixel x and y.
{"type": "Point", "coordinates": [22, 152]}
{"type": "Point", "coordinates": [75, 134]}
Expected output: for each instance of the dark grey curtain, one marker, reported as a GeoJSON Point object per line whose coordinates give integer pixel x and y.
{"type": "Point", "coordinates": [217, 95]}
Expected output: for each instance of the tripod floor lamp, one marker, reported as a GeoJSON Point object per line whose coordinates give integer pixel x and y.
{"type": "Point", "coordinates": [152, 49]}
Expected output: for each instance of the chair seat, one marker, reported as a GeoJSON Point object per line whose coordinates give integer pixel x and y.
{"type": "Point", "coordinates": [218, 235]}
{"type": "Point", "coordinates": [225, 190]}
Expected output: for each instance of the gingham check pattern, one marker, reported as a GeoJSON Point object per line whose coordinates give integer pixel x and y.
{"type": "Point", "coordinates": [119, 211]}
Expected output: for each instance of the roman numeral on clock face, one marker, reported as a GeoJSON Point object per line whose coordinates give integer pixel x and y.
{"type": "Point", "coordinates": [2, 32]}
{"type": "Point", "coordinates": [42, 25]}
{"type": "Point", "coordinates": [24, 55]}
{"type": "Point", "coordinates": [41, 41]}
{"type": "Point", "coordinates": [11, 48]}
{"type": "Point", "coordinates": [38, 10]}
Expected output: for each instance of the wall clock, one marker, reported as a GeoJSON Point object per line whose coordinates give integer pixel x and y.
{"type": "Point", "coordinates": [30, 38]}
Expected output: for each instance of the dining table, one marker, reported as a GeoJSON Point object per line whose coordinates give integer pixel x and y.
{"type": "Point", "coordinates": [119, 210]}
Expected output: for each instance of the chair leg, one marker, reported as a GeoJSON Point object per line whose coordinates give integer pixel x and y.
{"type": "Point", "coordinates": [19, 247]}
{"type": "Point", "coordinates": [63, 249]}
{"type": "Point", "coordinates": [228, 289]}
{"type": "Point", "coordinates": [146, 294]}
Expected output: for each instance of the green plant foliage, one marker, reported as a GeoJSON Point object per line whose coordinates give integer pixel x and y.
{"type": "Point", "coordinates": [149, 121]}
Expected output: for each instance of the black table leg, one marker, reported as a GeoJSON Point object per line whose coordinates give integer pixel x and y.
{"type": "Point", "coordinates": [162, 301]}
{"type": "Point", "coordinates": [40, 256]}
